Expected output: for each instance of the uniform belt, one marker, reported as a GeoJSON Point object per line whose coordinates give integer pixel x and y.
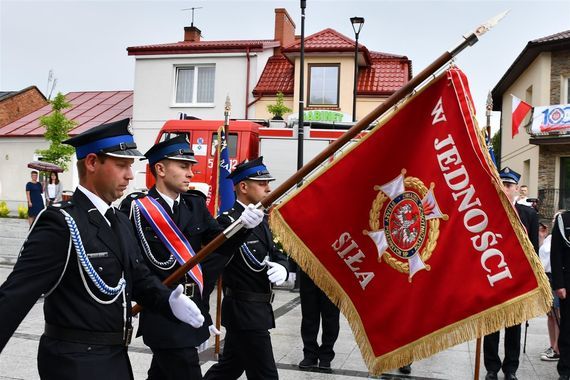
{"type": "Point", "coordinates": [188, 288]}
{"type": "Point", "coordinates": [250, 296]}
{"type": "Point", "coordinates": [89, 337]}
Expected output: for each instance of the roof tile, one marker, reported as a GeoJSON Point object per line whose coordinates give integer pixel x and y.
{"type": "Point", "coordinates": [88, 109]}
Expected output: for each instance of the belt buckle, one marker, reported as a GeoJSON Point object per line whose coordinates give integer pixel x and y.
{"type": "Point", "coordinates": [129, 336]}
{"type": "Point", "coordinates": [189, 289]}
{"type": "Point", "coordinates": [272, 297]}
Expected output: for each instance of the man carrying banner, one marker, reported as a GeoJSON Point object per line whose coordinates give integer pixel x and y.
{"type": "Point", "coordinates": [560, 265]}
{"type": "Point", "coordinates": [170, 224]}
{"type": "Point", "coordinates": [529, 219]}
{"type": "Point", "coordinates": [247, 313]}
{"type": "Point", "coordinates": [82, 257]}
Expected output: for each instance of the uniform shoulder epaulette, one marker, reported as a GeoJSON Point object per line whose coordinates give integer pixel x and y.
{"type": "Point", "coordinates": [62, 205]}
{"type": "Point", "coordinates": [227, 214]}
{"type": "Point", "coordinates": [136, 195]}
{"type": "Point", "coordinates": [191, 194]}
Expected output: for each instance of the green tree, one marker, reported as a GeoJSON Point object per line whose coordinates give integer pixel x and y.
{"type": "Point", "coordinates": [279, 108]}
{"type": "Point", "coordinates": [57, 130]}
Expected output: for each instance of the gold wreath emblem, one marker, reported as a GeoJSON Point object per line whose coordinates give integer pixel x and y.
{"type": "Point", "coordinates": [427, 250]}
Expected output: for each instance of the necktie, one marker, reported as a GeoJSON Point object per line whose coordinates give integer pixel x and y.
{"type": "Point", "coordinates": [112, 218]}
{"type": "Point", "coordinates": [175, 211]}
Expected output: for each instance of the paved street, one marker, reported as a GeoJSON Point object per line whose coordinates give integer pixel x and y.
{"type": "Point", "coordinates": [18, 360]}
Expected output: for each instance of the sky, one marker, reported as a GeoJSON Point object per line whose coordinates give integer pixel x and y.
{"type": "Point", "coordinates": [84, 42]}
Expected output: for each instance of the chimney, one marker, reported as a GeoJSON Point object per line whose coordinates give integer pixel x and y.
{"type": "Point", "coordinates": [284, 29]}
{"type": "Point", "coordinates": [192, 34]}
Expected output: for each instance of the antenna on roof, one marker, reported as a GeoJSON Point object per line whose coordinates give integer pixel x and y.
{"type": "Point", "coordinates": [51, 81]}
{"type": "Point", "coordinates": [192, 9]}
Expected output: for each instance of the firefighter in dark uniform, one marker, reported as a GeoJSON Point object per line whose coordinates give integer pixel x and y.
{"type": "Point", "coordinates": [560, 263]}
{"type": "Point", "coordinates": [247, 313]}
{"type": "Point", "coordinates": [82, 257]}
{"type": "Point", "coordinates": [174, 343]}
{"type": "Point", "coordinates": [316, 307]}
{"type": "Point", "coordinates": [510, 364]}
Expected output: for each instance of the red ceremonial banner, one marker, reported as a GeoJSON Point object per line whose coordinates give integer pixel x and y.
{"type": "Point", "coordinates": [410, 233]}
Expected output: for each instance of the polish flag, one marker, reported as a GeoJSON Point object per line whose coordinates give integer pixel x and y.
{"type": "Point", "coordinates": [520, 110]}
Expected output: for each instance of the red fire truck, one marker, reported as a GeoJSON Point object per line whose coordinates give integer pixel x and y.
{"type": "Point", "coordinates": [247, 140]}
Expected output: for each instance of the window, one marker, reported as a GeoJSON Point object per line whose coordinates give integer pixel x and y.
{"type": "Point", "coordinates": [231, 139]}
{"type": "Point", "coordinates": [323, 85]}
{"type": "Point", "coordinates": [565, 90]}
{"type": "Point", "coordinates": [195, 84]}
{"type": "Point", "coordinates": [564, 196]}
{"type": "Point", "coordinates": [170, 135]}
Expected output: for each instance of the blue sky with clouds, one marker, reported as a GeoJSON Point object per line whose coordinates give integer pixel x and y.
{"type": "Point", "coordinates": [84, 42]}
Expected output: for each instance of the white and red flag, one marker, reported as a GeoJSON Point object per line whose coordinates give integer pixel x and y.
{"type": "Point", "coordinates": [520, 110]}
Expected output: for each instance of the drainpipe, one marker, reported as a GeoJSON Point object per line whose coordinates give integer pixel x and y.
{"type": "Point", "coordinates": [247, 84]}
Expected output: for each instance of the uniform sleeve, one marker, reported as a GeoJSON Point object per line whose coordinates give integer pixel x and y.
{"type": "Point", "coordinates": [148, 290]}
{"type": "Point", "coordinates": [36, 272]}
{"type": "Point", "coordinates": [533, 230]}
{"type": "Point", "coordinates": [557, 249]}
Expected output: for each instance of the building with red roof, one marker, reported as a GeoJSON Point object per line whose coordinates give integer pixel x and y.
{"type": "Point", "coordinates": [194, 76]}
{"type": "Point", "coordinates": [20, 139]}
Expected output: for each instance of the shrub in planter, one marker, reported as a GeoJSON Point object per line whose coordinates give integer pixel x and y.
{"type": "Point", "coordinates": [279, 108]}
{"type": "Point", "coordinates": [22, 212]}
{"type": "Point", "coordinates": [4, 210]}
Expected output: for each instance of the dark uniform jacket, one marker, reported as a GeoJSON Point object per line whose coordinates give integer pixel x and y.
{"type": "Point", "coordinates": [529, 219]}
{"type": "Point", "coordinates": [560, 254]}
{"type": "Point", "coordinates": [199, 227]}
{"type": "Point", "coordinates": [48, 263]}
{"type": "Point", "coordinates": [239, 314]}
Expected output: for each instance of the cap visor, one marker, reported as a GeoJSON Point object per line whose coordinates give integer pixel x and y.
{"type": "Point", "coordinates": [183, 158]}
{"type": "Point", "coordinates": [128, 153]}
{"type": "Point", "coordinates": [263, 177]}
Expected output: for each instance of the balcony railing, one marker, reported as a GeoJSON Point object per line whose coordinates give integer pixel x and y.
{"type": "Point", "coordinates": [551, 200]}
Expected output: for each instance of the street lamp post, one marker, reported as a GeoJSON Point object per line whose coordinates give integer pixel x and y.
{"type": "Point", "coordinates": [357, 23]}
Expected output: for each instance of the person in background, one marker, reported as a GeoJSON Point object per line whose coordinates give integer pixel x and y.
{"type": "Point", "coordinates": [34, 195]}
{"type": "Point", "coordinates": [510, 364]}
{"type": "Point", "coordinates": [523, 196]}
{"type": "Point", "coordinates": [54, 189]}
{"type": "Point", "coordinates": [553, 316]}
{"type": "Point", "coordinates": [317, 309]}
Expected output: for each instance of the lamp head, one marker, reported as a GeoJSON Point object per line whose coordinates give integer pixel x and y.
{"type": "Point", "coordinates": [357, 23]}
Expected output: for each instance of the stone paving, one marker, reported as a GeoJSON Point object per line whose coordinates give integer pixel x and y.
{"type": "Point", "coordinates": [18, 360]}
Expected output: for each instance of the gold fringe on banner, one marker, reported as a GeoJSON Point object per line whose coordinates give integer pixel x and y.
{"type": "Point", "coordinates": [529, 305]}
{"type": "Point", "coordinates": [532, 304]}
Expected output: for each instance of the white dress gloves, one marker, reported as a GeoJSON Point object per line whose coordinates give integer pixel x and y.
{"type": "Point", "coordinates": [276, 273]}
{"type": "Point", "coordinates": [251, 217]}
{"type": "Point", "coordinates": [205, 344]}
{"type": "Point", "coordinates": [184, 308]}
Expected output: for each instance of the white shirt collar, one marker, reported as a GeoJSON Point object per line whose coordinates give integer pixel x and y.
{"type": "Point", "coordinates": [100, 204]}
{"type": "Point", "coordinates": [241, 203]}
{"type": "Point", "coordinates": [169, 200]}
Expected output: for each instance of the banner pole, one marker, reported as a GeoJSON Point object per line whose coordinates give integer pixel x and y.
{"type": "Point", "coordinates": [469, 39]}
{"type": "Point", "coordinates": [218, 323]}
{"type": "Point", "coordinates": [477, 358]}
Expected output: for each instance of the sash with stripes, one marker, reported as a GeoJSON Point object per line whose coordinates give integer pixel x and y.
{"type": "Point", "coordinates": [170, 235]}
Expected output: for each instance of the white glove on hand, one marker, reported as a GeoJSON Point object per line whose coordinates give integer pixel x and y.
{"type": "Point", "coordinates": [205, 344]}
{"type": "Point", "coordinates": [276, 273]}
{"type": "Point", "coordinates": [251, 217]}
{"type": "Point", "coordinates": [184, 308]}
